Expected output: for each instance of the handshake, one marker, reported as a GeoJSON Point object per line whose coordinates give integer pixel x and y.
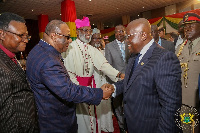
{"type": "Point", "coordinates": [108, 89]}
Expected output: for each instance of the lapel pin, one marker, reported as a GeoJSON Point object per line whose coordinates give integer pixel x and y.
{"type": "Point", "coordinates": [142, 63]}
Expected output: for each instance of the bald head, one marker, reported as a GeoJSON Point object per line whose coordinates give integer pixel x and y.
{"type": "Point", "coordinates": [140, 24]}
{"type": "Point", "coordinates": [138, 32]}
{"type": "Point", "coordinates": [53, 26]}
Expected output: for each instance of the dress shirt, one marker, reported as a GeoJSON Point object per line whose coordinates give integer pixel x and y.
{"type": "Point", "coordinates": [179, 41]}
{"type": "Point", "coordinates": [10, 54]}
{"type": "Point", "coordinates": [119, 44]}
{"type": "Point", "coordinates": [144, 49]}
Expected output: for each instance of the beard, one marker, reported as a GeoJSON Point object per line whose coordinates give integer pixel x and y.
{"type": "Point", "coordinates": [83, 38]}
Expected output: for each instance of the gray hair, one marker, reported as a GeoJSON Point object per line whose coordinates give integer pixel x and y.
{"type": "Point", "coordinates": [53, 26]}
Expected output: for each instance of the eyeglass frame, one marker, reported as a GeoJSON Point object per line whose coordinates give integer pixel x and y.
{"type": "Point", "coordinates": [20, 35]}
{"type": "Point", "coordinates": [68, 37]}
{"type": "Point", "coordinates": [127, 36]}
{"type": "Point", "coordinates": [86, 30]}
{"type": "Point", "coordinates": [120, 31]}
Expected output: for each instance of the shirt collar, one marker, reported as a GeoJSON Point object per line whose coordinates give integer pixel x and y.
{"type": "Point", "coordinates": [119, 42]}
{"type": "Point", "coordinates": [10, 54]}
{"type": "Point", "coordinates": [146, 47]}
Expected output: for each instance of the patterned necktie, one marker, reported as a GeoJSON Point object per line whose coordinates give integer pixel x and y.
{"type": "Point", "coordinates": [122, 51]}
{"type": "Point", "coordinates": [190, 47]}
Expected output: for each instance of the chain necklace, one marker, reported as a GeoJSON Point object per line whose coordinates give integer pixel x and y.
{"type": "Point", "coordinates": [85, 59]}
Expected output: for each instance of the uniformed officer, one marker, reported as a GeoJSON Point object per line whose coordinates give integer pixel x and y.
{"type": "Point", "coordinates": [189, 56]}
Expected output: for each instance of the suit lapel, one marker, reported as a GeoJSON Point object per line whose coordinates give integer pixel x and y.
{"type": "Point", "coordinates": [144, 61]}
{"type": "Point", "coordinates": [116, 46]}
{"type": "Point", "coordinates": [10, 64]}
{"type": "Point", "coordinates": [129, 69]}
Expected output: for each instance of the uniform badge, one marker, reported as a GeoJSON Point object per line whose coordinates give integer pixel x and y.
{"type": "Point", "coordinates": [142, 63]}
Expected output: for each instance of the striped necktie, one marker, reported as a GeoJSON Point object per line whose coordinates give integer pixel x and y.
{"type": "Point", "coordinates": [122, 51]}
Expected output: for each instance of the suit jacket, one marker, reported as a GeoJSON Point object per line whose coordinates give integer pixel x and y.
{"type": "Point", "coordinates": [55, 94]}
{"type": "Point", "coordinates": [153, 93]}
{"type": "Point", "coordinates": [17, 105]}
{"type": "Point", "coordinates": [168, 45]}
{"type": "Point", "coordinates": [114, 56]}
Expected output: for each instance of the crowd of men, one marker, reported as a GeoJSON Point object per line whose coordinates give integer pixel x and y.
{"type": "Point", "coordinates": [68, 84]}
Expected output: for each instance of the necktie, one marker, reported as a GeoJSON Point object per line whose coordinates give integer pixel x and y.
{"type": "Point", "coordinates": [135, 64]}
{"type": "Point", "coordinates": [136, 61]}
{"type": "Point", "coordinates": [190, 48]}
{"type": "Point", "coordinates": [122, 51]}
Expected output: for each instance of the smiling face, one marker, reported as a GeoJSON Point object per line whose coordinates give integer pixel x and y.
{"type": "Point", "coordinates": [192, 31]}
{"type": "Point", "coordinates": [138, 35]}
{"type": "Point", "coordinates": [61, 42]}
{"type": "Point", "coordinates": [134, 38]}
{"type": "Point", "coordinates": [120, 33]}
{"type": "Point", "coordinates": [84, 34]}
{"type": "Point", "coordinates": [10, 37]}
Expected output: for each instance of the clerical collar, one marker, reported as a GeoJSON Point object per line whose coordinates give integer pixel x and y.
{"type": "Point", "coordinates": [80, 42]}
{"type": "Point", "coordinates": [10, 54]}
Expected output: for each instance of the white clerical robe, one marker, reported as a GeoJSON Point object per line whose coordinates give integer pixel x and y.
{"type": "Point", "coordinates": [80, 60]}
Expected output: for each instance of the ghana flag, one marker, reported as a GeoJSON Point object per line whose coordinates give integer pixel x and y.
{"type": "Point", "coordinates": [68, 15]}
{"type": "Point", "coordinates": [43, 20]}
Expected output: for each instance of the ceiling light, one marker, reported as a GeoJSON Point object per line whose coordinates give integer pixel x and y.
{"type": "Point", "coordinates": [138, 15]}
{"type": "Point", "coordinates": [117, 8]}
{"type": "Point", "coordinates": [60, 14]}
{"type": "Point", "coordinates": [143, 7]}
{"type": "Point", "coordinates": [92, 24]}
{"type": "Point", "coordinates": [90, 0]}
{"type": "Point", "coordinates": [32, 10]}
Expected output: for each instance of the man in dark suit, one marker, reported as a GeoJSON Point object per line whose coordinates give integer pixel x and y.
{"type": "Point", "coordinates": [162, 42]}
{"type": "Point", "coordinates": [117, 54]}
{"type": "Point", "coordinates": [152, 83]}
{"type": "Point", "coordinates": [55, 94]}
{"type": "Point", "coordinates": [17, 105]}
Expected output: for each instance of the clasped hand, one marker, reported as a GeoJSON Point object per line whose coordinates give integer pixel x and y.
{"type": "Point", "coordinates": [108, 89]}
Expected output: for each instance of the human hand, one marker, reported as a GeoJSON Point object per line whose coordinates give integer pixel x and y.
{"type": "Point", "coordinates": [122, 76]}
{"type": "Point", "coordinates": [108, 89]}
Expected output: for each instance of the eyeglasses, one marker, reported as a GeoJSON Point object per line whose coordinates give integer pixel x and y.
{"type": "Point", "coordinates": [22, 36]}
{"type": "Point", "coordinates": [86, 30]}
{"type": "Point", "coordinates": [120, 31]}
{"type": "Point", "coordinates": [68, 37]}
{"type": "Point", "coordinates": [97, 38]}
{"type": "Point", "coordinates": [127, 36]}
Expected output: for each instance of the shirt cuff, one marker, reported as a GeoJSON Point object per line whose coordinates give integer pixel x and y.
{"type": "Point", "coordinates": [114, 93]}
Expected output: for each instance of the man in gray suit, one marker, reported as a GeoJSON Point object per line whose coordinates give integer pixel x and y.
{"type": "Point", "coordinates": [117, 54]}
{"type": "Point", "coordinates": [164, 43]}
{"type": "Point", "coordinates": [17, 105]}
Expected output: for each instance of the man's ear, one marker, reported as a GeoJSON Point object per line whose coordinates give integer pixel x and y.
{"type": "Point", "coordinates": [52, 36]}
{"type": "Point", "coordinates": [144, 36]}
{"type": "Point", "coordinates": [2, 35]}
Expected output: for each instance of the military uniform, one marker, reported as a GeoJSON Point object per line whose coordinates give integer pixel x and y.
{"type": "Point", "coordinates": [190, 64]}
{"type": "Point", "coordinates": [189, 56]}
